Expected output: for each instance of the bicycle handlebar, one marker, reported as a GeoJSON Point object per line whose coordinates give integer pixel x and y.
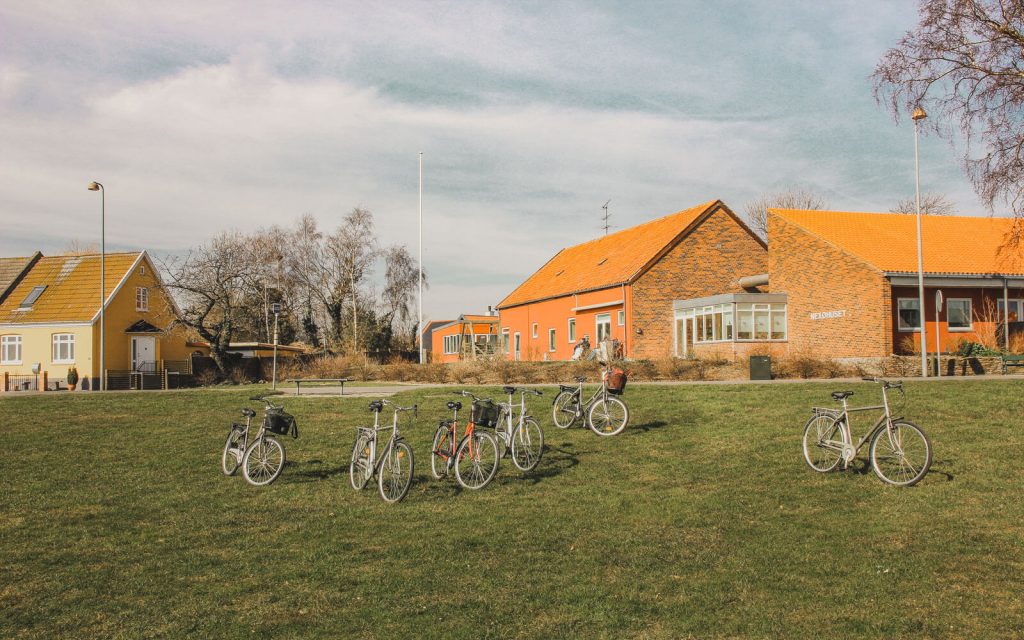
{"type": "Point", "coordinates": [889, 384]}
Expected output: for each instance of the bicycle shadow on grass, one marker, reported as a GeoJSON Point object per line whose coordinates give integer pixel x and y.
{"type": "Point", "coordinates": [309, 471]}
{"type": "Point", "coordinates": [645, 427]}
{"type": "Point", "coordinates": [862, 466]}
{"type": "Point", "coordinates": [555, 461]}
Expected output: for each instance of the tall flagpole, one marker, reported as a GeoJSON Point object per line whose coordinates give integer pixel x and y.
{"type": "Point", "coordinates": [420, 326]}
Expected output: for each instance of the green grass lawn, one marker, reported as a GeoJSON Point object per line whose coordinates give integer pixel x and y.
{"type": "Point", "coordinates": [700, 520]}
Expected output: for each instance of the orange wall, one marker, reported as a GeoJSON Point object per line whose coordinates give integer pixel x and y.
{"type": "Point", "coordinates": [984, 307]}
{"type": "Point", "coordinates": [437, 353]}
{"type": "Point", "coordinates": [555, 314]}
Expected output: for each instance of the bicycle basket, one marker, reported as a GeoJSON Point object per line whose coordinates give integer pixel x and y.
{"type": "Point", "coordinates": [280, 423]}
{"type": "Point", "coordinates": [617, 381]}
{"type": "Point", "coordinates": [485, 413]}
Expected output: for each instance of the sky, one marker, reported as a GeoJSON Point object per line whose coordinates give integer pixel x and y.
{"type": "Point", "coordinates": [200, 117]}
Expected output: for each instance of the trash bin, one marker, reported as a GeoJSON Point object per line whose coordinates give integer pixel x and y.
{"type": "Point", "coordinates": [760, 367]}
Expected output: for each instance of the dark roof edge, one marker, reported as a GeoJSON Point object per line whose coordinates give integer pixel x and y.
{"type": "Point", "coordinates": [33, 259]}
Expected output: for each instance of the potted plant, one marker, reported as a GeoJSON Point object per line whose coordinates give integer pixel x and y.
{"type": "Point", "coordinates": [72, 378]}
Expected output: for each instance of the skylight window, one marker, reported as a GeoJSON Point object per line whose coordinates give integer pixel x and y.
{"type": "Point", "coordinates": [603, 260]}
{"type": "Point", "coordinates": [560, 272]}
{"type": "Point", "coordinates": [32, 296]}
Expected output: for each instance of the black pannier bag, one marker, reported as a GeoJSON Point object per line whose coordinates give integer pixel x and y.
{"type": "Point", "coordinates": [485, 413]}
{"type": "Point", "coordinates": [280, 423]}
{"type": "Point", "coordinates": [617, 381]}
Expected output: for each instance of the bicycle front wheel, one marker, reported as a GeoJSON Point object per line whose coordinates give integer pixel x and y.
{"type": "Point", "coordinates": [395, 475]}
{"type": "Point", "coordinates": [476, 460]}
{"type": "Point", "coordinates": [263, 461]}
{"type": "Point", "coordinates": [360, 466]}
{"type": "Point", "coordinates": [901, 453]}
{"type": "Point", "coordinates": [608, 417]}
{"type": "Point", "coordinates": [441, 452]}
{"type": "Point", "coordinates": [563, 410]}
{"type": "Point", "coordinates": [823, 443]}
{"type": "Point", "coordinates": [231, 458]}
{"type": "Point", "coordinates": [527, 445]}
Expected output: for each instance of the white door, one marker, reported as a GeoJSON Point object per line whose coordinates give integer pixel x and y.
{"type": "Point", "coordinates": [515, 345]}
{"type": "Point", "coordinates": [143, 353]}
{"type": "Point", "coordinates": [603, 328]}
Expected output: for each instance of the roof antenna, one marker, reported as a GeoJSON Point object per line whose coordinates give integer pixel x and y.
{"type": "Point", "coordinates": [606, 216]}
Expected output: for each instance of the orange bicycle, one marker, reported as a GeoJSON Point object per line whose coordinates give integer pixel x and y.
{"type": "Point", "coordinates": [475, 457]}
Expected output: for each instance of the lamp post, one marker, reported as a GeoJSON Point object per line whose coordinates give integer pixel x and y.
{"type": "Point", "coordinates": [918, 115]}
{"type": "Point", "coordinates": [276, 309]}
{"type": "Point", "coordinates": [420, 324]}
{"type": "Point", "coordinates": [96, 186]}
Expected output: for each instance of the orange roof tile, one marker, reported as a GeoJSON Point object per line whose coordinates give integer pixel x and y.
{"type": "Point", "coordinates": [888, 241]}
{"type": "Point", "coordinates": [608, 261]}
{"type": "Point", "coordinates": [72, 291]}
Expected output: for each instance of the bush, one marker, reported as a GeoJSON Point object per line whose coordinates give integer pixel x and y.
{"type": "Point", "coordinates": [968, 349]}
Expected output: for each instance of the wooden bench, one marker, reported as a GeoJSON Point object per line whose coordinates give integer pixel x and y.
{"type": "Point", "coordinates": [1012, 361]}
{"type": "Point", "coordinates": [300, 381]}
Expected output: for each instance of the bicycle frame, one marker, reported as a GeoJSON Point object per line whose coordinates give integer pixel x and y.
{"type": "Point", "coordinates": [506, 434]}
{"type": "Point", "coordinates": [842, 418]}
{"type": "Point", "coordinates": [601, 394]}
{"type": "Point", "coordinates": [452, 426]}
{"type": "Point", "coordinates": [373, 431]}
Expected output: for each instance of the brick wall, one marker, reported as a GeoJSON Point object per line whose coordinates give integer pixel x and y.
{"type": "Point", "coordinates": [839, 306]}
{"type": "Point", "coordinates": [707, 262]}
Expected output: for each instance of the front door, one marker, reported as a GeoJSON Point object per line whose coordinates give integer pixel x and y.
{"type": "Point", "coordinates": [143, 353]}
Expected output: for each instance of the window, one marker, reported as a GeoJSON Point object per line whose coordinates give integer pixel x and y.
{"type": "Point", "coordinates": [551, 339]}
{"type": "Point", "coordinates": [141, 299]}
{"type": "Point", "coordinates": [32, 296]}
{"type": "Point", "coordinates": [1015, 310]}
{"type": "Point", "coordinates": [533, 331]}
{"type": "Point", "coordinates": [572, 330]}
{"type": "Point", "coordinates": [761, 321]}
{"type": "Point", "coordinates": [515, 345]}
{"type": "Point", "coordinates": [504, 341]}
{"type": "Point", "coordinates": [621, 318]}
{"type": "Point", "coordinates": [908, 314]}
{"type": "Point", "coordinates": [603, 327]}
{"type": "Point", "coordinates": [63, 348]}
{"type": "Point", "coordinates": [452, 344]}
{"type": "Point", "coordinates": [713, 323]}
{"type": "Point", "coordinates": [142, 270]}
{"type": "Point", "coordinates": [958, 314]}
{"type": "Point", "coordinates": [10, 349]}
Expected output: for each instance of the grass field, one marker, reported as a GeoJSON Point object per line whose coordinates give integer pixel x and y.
{"type": "Point", "coordinates": [700, 520]}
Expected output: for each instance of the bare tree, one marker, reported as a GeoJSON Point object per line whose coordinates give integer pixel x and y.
{"type": "Point", "coordinates": [401, 284]}
{"type": "Point", "coordinates": [210, 286]}
{"type": "Point", "coordinates": [789, 198]}
{"type": "Point", "coordinates": [318, 276]}
{"type": "Point", "coordinates": [353, 248]}
{"type": "Point", "coordinates": [964, 63]}
{"type": "Point", "coordinates": [76, 247]}
{"type": "Point", "coordinates": [935, 204]}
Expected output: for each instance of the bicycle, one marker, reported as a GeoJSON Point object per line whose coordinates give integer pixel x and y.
{"type": "Point", "coordinates": [900, 452]}
{"type": "Point", "coordinates": [525, 440]}
{"type": "Point", "coordinates": [394, 467]}
{"type": "Point", "coordinates": [263, 459]}
{"type": "Point", "coordinates": [474, 458]}
{"type": "Point", "coordinates": [605, 412]}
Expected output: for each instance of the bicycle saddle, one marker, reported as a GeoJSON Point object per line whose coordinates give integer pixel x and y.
{"type": "Point", "coordinates": [509, 390]}
{"type": "Point", "coordinates": [248, 413]}
{"type": "Point", "coordinates": [566, 387]}
{"type": "Point", "coordinates": [581, 379]}
{"type": "Point", "coordinates": [377, 405]}
{"type": "Point", "coordinates": [841, 395]}
{"type": "Point", "coordinates": [454, 405]}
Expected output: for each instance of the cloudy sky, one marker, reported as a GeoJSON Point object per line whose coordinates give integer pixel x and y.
{"type": "Point", "coordinates": [205, 116]}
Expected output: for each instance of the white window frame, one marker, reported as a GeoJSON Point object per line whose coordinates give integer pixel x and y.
{"type": "Point", "coordinates": [141, 299]}
{"type": "Point", "coordinates": [8, 342]}
{"type": "Point", "coordinates": [58, 342]}
{"type": "Point", "coordinates": [452, 344]}
{"type": "Point", "coordinates": [602, 319]}
{"type": "Point", "coordinates": [551, 339]}
{"type": "Point", "coordinates": [571, 330]}
{"type": "Point", "coordinates": [620, 318]}
{"type": "Point", "coordinates": [517, 345]}
{"type": "Point", "coordinates": [970, 315]}
{"type": "Point", "coordinates": [506, 341]}
{"type": "Point", "coordinates": [704, 318]}
{"type": "Point", "coordinates": [899, 319]}
{"type": "Point", "coordinates": [534, 331]}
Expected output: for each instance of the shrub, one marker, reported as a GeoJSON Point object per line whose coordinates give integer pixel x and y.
{"type": "Point", "coordinates": [206, 377]}
{"type": "Point", "coordinates": [968, 349]}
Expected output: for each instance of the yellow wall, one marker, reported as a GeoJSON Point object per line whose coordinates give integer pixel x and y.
{"type": "Point", "coordinates": [37, 347]}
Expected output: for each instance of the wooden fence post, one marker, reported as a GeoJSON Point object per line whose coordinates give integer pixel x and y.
{"type": "Point", "coordinates": [46, 380]}
{"type": "Point", "coordinates": [7, 381]}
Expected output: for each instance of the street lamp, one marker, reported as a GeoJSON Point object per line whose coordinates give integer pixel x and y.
{"type": "Point", "coordinates": [420, 323]}
{"type": "Point", "coordinates": [918, 115]}
{"type": "Point", "coordinates": [96, 186]}
{"type": "Point", "coordinates": [275, 308]}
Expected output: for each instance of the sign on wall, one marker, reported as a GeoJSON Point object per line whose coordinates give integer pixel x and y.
{"type": "Point", "coordinates": [828, 315]}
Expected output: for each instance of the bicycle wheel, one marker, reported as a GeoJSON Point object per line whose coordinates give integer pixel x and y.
{"type": "Point", "coordinates": [901, 454]}
{"type": "Point", "coordinates": [823, 443]}
{"type": "Point", "coordinates": [395, 475]}
{"type": "Point", "coordinates": [263, 461]}
{"type": "Point", "coordinates": [608, 417]}
{"type": "Point", "coordinates": [527, 445]}
{"type": "Point", "coordinates": [476, 460]}
{"type": "Point", "coordinates": [231, 459]}
{"type": "Point", "coordinates": [360, 466]}
{"type": "Point", "coordinates": [441, 452]}
{"type": "Point", "coordinates": [563, 410]}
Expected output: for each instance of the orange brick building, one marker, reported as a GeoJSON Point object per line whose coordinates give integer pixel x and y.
{"type": "Point", "coordinates": [623, 285]}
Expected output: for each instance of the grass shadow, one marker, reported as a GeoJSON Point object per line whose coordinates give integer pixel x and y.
{"type": "Point", "coordinates": [647, 426]}
{"type": "Point", "coordinates": [555, 461]}
{"type": "Point", "coordinates": [309, 471]}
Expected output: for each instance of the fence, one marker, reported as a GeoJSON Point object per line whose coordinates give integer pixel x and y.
{"type": "Point", "coordinates": [29, 382]}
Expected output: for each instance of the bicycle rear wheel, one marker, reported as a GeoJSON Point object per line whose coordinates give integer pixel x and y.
{"type": "Point", "coordinates": [395, 475]}
{"type": "Point", "coordinates": [263, 461]}
{"type": "Point", "coordinates": [823, 443]}
{"type": "Point", "coordinates": [901, 454]}
{"type": "Point", "coordinates": [563, 410]}
{"type": "Point", "coordinates": [231, 458]}
{"type": "Point", "coordinates": [608, 417]}
{"type": "Point", "coordinates": [476, 460]}
{"type": "Point", "coordinates": [360, 467]}
{"type": "Point", "coordinates": [527, 445]}
{"type": "Point", "coordinates": [441, 452]}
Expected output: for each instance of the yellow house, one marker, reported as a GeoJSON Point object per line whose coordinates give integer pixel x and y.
{"type": "Point", "coordinates": [50, 322]}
